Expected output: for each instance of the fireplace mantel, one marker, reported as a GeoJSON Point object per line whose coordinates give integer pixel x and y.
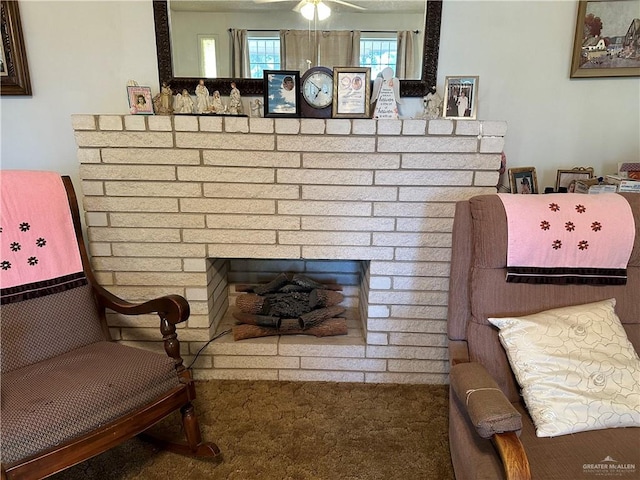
{"type": "Point", "coordinates": [166, 197]}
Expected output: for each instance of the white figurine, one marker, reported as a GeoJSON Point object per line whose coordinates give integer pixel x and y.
{"type": "Point", "coordinates": [183, 103]}
{"type": "Point", "coordinates": [216, 103]}
{"type": "Point", "coordinates": [235, 101]}
{"type": "Point", "coordinates": [202, 98]}
{"type": "Point", "coordinates": [432, 103]}
{"type": "Point", "coordinates": [386, 94]}
{"type": "Point", "coordinates": [256, 108]}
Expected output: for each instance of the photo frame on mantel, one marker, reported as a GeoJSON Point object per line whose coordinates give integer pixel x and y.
{"type": "Point", "coordinates": [14, 70]}
{"type": "Point", "coordinates": [606, 39]}
{"type": "Point", "coordinates": [461, 95]}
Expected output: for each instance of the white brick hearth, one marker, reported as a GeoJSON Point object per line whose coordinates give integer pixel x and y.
{"type": "Point", "coordinates": [175, 203]}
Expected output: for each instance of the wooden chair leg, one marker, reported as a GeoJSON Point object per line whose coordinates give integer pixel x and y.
{"type": "Point", "coordinates": [194, 445]}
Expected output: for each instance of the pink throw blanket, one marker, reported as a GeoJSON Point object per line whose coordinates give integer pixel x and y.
{"type": "Point", "coordinates": [568, 238]}
{"type": "Point", "coordinates": [38, 246]}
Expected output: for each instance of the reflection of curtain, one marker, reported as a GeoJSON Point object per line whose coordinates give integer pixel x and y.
{"type": "Point", "coordinates": [239, 54]}
{"type": "Point", "coordinates": [406, 65]}
{"type": "Point", "coordinates": [296, 49]}
{"type": "Point", "coordinates": [335, 48]}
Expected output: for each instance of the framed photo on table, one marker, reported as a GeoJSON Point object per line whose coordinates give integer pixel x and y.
{"type": "Point", "coordinates": [523, 180]}
{"type": "Point", "coordinates": [606, 39]}
{"type": "Point", "coordinates": [281, 93]}
{"type": "Point", "coordinates": [460, 97]}
{"type": "Point", "coordinates": [140, 101]}
{"type": "Point", "coordinates": [351, 92]}
{"type": "Point", "coordinates": [566, 179]}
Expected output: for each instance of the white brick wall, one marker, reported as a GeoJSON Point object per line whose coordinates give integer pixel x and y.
{"type": "Point", "coordinates": [164, 194]}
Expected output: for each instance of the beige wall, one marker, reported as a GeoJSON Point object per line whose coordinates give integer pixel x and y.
{"type": "Point", "coordinates": [81, 55]}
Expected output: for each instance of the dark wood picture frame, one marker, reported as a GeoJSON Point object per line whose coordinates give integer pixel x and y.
{"type": "Point", "coordinates": [277, 103]}
{"type": "Point", "coordinates": [14, 75]}
{"type": "Point", "coordinates": [596, 51]}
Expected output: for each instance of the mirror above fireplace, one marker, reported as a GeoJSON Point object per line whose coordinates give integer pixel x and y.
{"type": "Point", "coordinates": [179, 79]}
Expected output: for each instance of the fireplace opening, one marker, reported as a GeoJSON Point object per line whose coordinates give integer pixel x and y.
{"type": "Point", "coordinates": [227, 279]}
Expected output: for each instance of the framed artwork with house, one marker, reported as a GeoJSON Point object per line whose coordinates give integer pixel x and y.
{"type": "Point", "coordinates": [607, 39]}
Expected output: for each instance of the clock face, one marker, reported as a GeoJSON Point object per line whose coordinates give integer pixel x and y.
{"type": "Point", "coordinates": [317, 89]}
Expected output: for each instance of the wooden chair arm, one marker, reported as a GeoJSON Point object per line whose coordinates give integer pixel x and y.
{"type": "Point", "coordinates": [174, 308]}
{"type": "Point", "coordinates": [514, 458]}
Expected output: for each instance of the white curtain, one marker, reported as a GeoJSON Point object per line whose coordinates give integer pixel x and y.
{"type": "Point", "coordinates": [406, 64]}
{"type": "Point", "coordinates": [240, 67]}
{"type": "Point", "coordinates": [301, 49]}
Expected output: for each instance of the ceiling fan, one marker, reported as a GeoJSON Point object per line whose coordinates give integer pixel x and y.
{"type": "Point", "coordinates": [310, 5]}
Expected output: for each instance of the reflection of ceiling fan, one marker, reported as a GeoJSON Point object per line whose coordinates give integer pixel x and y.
{"type": "Point", "coordinates": [309, 7]}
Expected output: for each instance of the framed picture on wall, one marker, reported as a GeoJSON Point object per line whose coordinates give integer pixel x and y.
{"type": "Point", "coordinates": [606, 39]}
{"type": "Point", "coordinates": [460, 97]}
{"type": "Point", "coordinates": [140, 102]}
{"type": "Point", "coordinates": [523, 180]}
{"type": "Point", "coordinates": [281, 93]}
{"type": "Point", "coordinates": [351, 92]}
{"type": "Point", "coordinates": [14, 71]}
{"type": "Point", "coordinates": [566, 179]}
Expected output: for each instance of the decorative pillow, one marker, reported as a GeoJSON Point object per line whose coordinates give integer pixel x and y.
{"type": "Point", "coordinates": [577, 369]}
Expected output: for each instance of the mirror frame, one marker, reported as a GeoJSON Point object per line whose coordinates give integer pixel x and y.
{"type": "Point", "coordinates": [254, 86]}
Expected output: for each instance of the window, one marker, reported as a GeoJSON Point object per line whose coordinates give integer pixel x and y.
{"type": "Point", "coordinates": [378, 52]}
{"type": "Point", "coordinates": [264, 53]}
{"type": "Point", "coordinates": [208, 56]}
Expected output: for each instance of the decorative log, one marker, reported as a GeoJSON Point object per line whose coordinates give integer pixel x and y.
{"type": "Point", "coordinates": [260, 320]}
{"type": "Point", "coordinates": [251, 303]}
{"type": "Point", "coordinates": [330, 327]}
{"type": "Point", "coordinates": [289, 324]}
{"type": "Point", "coordinates": [248, 287]}
{"type": "Point", "coordinates": [315, 317]}
{"type": "Point", "coordinates": [289, 305]}
{"type": "Point", "coordinates": [304, 281]}
{"type": "Point", "coordinates": [273, 286]}
{"type": "Point", "coordinates": [324, 298]}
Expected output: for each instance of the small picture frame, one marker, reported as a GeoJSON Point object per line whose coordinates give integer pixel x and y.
{"type": "Point", "coordinates": [566, 179]}
{"type": "Point", "coordinates": [523, 180]}
{"type": "Point", "coordinates": [281, 93]}
{"type": "Point", "coordinates": [140, 101]}
{"type": "Point", "coordinates": [461, 97]}
{"type": "Point", "coordinates": [351, 92]}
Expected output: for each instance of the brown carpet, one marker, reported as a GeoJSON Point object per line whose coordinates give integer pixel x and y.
{"type": "Point", "coordinates": [298, 431]}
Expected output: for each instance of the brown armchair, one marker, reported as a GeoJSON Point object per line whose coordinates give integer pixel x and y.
{"type": "Point", "coordinates": [491, 432]}
{"type": "Point", "coordinates": [68, 392]}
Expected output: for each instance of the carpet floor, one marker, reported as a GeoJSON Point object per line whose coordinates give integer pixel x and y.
{"type": "Point", "coordinates": [297, 431]}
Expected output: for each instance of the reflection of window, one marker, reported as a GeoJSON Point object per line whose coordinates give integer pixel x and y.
{"type": "Point", "coordinates": [208, 56]}
{"type": "Point", "coordinates": [378, 52]}
{"type": "Point", "coordinates": [264, 53]}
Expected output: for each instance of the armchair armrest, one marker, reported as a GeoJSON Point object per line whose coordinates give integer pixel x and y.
{"type": "Point", "coordinates": [488, 408]}
{"type": "Point", "coordinates": [174, 308]}
{"type": "Point", "coordinates": [492, 415]}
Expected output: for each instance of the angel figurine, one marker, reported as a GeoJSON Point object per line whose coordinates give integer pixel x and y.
{"type": "Point", "coordinates": [386, 95]}
{"type": "Point", "coordinates": [202, 98]}
{"type": "Point", "coordinates": [256, 108]}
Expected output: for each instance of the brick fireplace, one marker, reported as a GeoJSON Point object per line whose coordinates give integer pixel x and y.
{"type": "Point", "coordinates": [196, 204]}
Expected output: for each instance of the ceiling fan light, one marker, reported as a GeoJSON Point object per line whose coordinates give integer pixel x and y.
{"type": "Point", "coordinates": [307, 11]}
{"type": "Point", "coordinates": [323, 11]}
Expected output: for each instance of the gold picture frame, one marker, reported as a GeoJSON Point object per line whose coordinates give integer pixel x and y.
{"type": "Point", "coordinates": [598, 52]}
{"type": "Point", "coordinates": [351, 92]}
{"type": "Point", "coordinates": [523, 180]}
{"type": "Point", "coordinates": [14, 70]}
{"type": "Point", "coordinates": [566, 179]}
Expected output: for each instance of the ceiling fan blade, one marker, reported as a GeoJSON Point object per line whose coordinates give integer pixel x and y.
{"type": "Point", "coordinates": [347, 4]}
{"type": "Point", "coordinates": [299, 6]}
{"type": "Point", "coordinates": [269, 1]}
